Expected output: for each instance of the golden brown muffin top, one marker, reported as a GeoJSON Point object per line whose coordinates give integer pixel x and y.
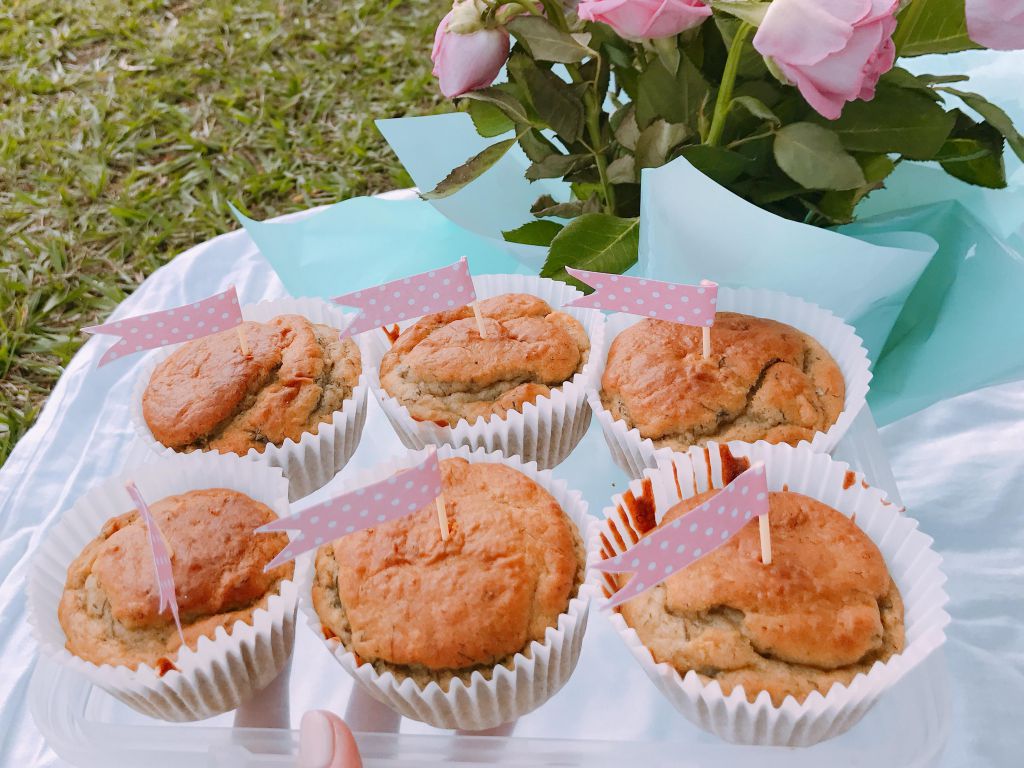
{"type": "Point", "coordinates": [504, 576]}
{"type": "Point", "coordinates": [110, 606]}
{"type": "Point", "coordinates": [764, 380]}
{"type": "Point", "coordinates": [823, 611]}
{"type": "Point", "coordinates": [217, 564]}
{"type": "Point", "coordinates": [207, 394]}
{"type": "Point", "coordinates": [443, 371]}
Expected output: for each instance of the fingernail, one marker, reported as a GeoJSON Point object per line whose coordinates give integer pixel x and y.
{"type": "Point", "coordinates": [316, 740]}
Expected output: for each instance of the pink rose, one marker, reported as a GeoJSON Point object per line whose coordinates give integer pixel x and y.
{"type": "Point", "coordinates": [834, 51]}
{"type": "Point", "coordinates": [997, 24]}
{"type": "Point", "coordinates": [466, 62]}
{"type": "Point", "coordinates": [645, 19]}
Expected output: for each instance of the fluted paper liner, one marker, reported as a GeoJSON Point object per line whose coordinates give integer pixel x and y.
{"type": "Point", "coordinates": [545, 431]}
{"type": "Point", "coordinates": [317, 457]}
{"type": "Point", "coordinates": [908, 553]}
{"type": "Point", "coordinates": [535, 675]}
{"type": "Point", "coordinates": [635, 453]}
{"type": "Point", "coordinates": [220, 674]}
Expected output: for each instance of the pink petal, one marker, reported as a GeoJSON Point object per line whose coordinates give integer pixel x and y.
{"type": "Point", "coordinates": [804, 32]}
{"type": "Point", "coordinates": [881, 9]}
{"type": "Point", "coordinates": [675, 16]}
{"type": "Point", "coordinates": [996, 24]}
{"type": "Point", "coordinates": [843, 73]}
{"type": "Point", "coordinates": [467, 62]}
{"type": "Point", "coordinates": [828, 105]}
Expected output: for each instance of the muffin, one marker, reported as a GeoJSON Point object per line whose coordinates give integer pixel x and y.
{"type": "Point", "coordinates": [109, 609]}
{"type": "Point", "coordinates": [764, 380]}
{"type": "Point", "coordinates": [208, 395]}
{"type": "Point", "coordinates": [410, 604]}
{"type": "Point", "coordinates": [824, 611]}
{"type": "Point", "coordinates": [444, 372]}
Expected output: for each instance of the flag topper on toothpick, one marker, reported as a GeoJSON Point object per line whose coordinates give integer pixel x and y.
{"type": "Point", "coordinates": [437, 290]}
{"type": "Point", "coordinates": [396, 496]}
{"type": "Point", "coordinates": [170, 326]}
{"type": "Point", "coordinates": [675, 302]}
{"type": "Point", "coordinates": [161, 558]}
{"type": "Point", "coordinates": [692, 536]}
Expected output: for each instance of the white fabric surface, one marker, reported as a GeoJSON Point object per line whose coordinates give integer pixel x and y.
{"type": "Point", "coordinates": [959, 467]}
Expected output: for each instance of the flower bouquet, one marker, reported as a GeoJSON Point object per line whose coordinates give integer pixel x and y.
{"type": "Point", "coordinates": [796, 106]}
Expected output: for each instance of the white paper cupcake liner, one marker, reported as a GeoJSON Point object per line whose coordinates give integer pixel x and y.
{"type": "Point", "coordinates": [535, 676]}
{"type": "Point", "coordinates": [545, 431]}
{"type": "Point", "coordinates": [221, 673]}
{"type": "Point", "coordinates": [912, 562]}
{"type": "Point", "coordinates": [635, 453]}
{"type": "Point", "coordinates": [311, 462]}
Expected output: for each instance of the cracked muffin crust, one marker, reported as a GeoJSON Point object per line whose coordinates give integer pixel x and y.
{"type": "Point", "coordinates": [110, 607]}
{"type": "Point", "coordinates": [407, 602]}
{"type": "Point", "coordinates": [208, 395]}
{"type": "Point", "coordinates": [765, 380]}
{"type": "Point", "coordinates": [443, 371]}
{"type": "Point", "coordinates": [824, 611]}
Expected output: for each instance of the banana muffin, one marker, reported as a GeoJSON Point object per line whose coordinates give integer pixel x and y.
{"type": "Point", "coordinates": [208, 394]}
{"type": "Point", "coordinates": [824, 611]}
{"type": "Point", "coordinates": [764, 380]}
{"type": "Point", "coordinates": [443, 371]}
{"type": "Point", "coordinates": [405, 601]}
{"type": "Point", "coordinates": [110, 607]}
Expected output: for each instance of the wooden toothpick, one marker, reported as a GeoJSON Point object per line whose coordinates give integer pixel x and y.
{"type": "Point", "coordinates": [242, 341]}
{"type": "Point", "coordinates": [442, 517]}
{"type": "Point", "coordinates": [479, 320]}
{"type": "Point", "coordinates": [706, 337]}
{"type": "Point", "coordinates": [766, 539]}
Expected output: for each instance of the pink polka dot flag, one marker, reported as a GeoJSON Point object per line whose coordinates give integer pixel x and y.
{"type": "Point", "coordinates": [170, 326]}
{"type": "Point", "coordinates": [401, 494]}
{"type": "Point", "coordinates": [687, 539]}
{"type": "Point", "coordinates": [409, 297]}
{"type": "Point", "coordinates": [161, 558]}
{"type": "Point", "coordinates": [677, 303]}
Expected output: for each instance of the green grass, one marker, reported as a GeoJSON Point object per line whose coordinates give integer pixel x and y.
{"type": "Point", "coordinates": [125, 127]}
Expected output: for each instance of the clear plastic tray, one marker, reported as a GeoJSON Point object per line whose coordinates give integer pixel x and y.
{"type": "Point", "coordinates": [608, 714]}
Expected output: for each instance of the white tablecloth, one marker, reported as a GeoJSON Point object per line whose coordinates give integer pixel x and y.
{"type": "Point", "coordinates": [959, 466]}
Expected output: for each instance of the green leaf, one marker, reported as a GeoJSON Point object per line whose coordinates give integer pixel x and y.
{"type": "Point", "coordinates": [556, 166]}
{"type": "Point", "coordinates": [813, 156]}
{"type": "Point", "coordinates": [622, 170]}
{"type": "Point", "coordinates": [536, 145]}
{"type": "Point", "coordinates": [627, 133]}
{"type": "Point", "coordinates": [974, 153]}
{"type": "Point", "coordinates": [757, 108]}
{"type": "Point", "coordinates": [668, 52]}
{"type": "Point", "coordinates": [546, 205]}
{"type": "Point", "coordinates": [656, 141]}
{"type": "Point", "coordinates": [995, 116]}
{"type": "Point", "coordinates": [838, 206]}
{"type": "Point", "coordinates": [932, 26]}
{"type": "Point", "coordinates": [488, 120]}
{"type": "Point", "coordinates": [595, 241]}
{"type": "Point", "coordinates": [717, 163]}
{"type": "Point", "coordinates": [554, 99]}
{"type": "Point", "coordinates": [672, 98]}
{"type": "Point", "coordinates": [470, 170]}
{"type": "Point", "coordinates": [750, 11]}
{"type": "Point", "coordinates": [939, 79]}
{"type": "Point", "coordinates": [546, 42]}
{"type": "Point", "coordinates": [534, 233]}
{"type": "Point", "coordinates": [765, 191]}
{"type": "Point", "coordinates": [504, 101]}
{"type": "Point", "coordinates": [898, 77]}
{"type": "Point", "coordinates": [896, 120]}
